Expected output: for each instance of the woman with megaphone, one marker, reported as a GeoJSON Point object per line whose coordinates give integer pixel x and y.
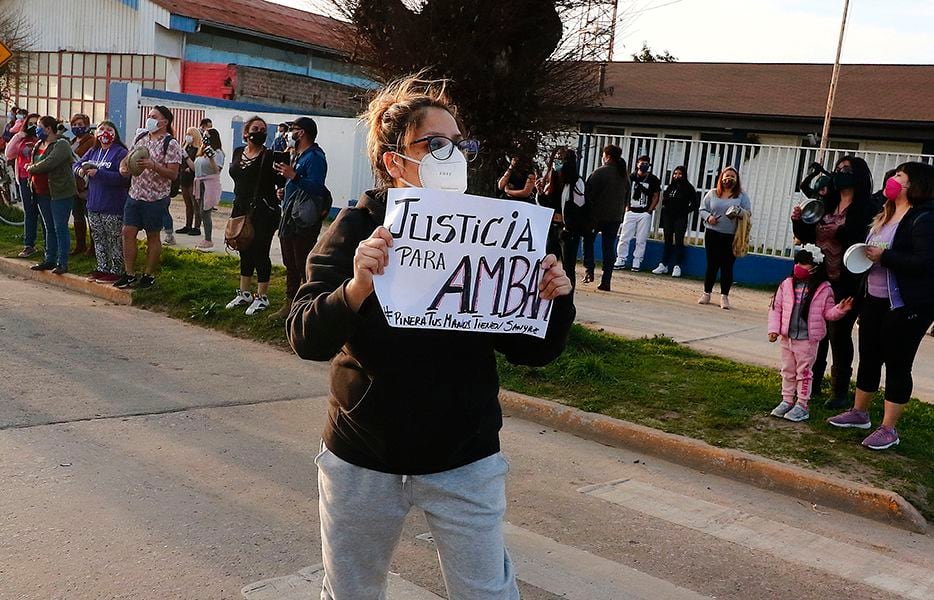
{"type": "Point", "coordinates": [848, 210]}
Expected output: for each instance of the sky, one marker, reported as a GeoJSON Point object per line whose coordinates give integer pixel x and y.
{"type": "Point", "coordinates": [878, 31]}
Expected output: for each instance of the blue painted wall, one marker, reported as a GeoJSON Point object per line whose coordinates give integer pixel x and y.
{"type": "Point", "coordinates": [116, 108]}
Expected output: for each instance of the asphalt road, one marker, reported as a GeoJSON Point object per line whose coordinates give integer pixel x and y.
{"type": "Point", "coordinates": [146, 458]}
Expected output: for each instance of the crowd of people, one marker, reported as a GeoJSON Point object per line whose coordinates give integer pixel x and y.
{"type": "Point", "coordinates": [109, 190]}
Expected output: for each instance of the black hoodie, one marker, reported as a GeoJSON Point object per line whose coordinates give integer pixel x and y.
{"type": "Point", "coordinates": [911, 257]}
{"type": "Point", "coordinates": [407, 401]}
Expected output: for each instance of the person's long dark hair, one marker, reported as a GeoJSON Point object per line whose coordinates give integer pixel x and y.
{"type": "Point", "coordinates": [862, 183]}
{"type": "Point", "coordinates": [569, 172]}
{"type": "Point", "coordinates": [165, 112]}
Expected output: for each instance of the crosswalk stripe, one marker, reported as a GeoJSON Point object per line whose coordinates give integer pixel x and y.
{"type": "Point", "coordinates": [783, 541]}
{"type": "Point", "coordinates": [307, 584]}
{"type": "Point", "coordinates": [576, 574]}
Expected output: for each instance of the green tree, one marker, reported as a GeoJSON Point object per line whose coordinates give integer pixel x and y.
{"type": "Point", "coordinates": [646, 55]}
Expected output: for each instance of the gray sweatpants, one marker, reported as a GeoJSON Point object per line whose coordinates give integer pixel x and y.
{"type": "Point", "coordinates": [362, 513]}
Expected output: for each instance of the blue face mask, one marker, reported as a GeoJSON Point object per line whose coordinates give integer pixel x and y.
{"type": "Point", "coordinates": [558, 165]}
{"type": "Point", "coordinates": [42, 134]}
{"type": "Point", "coordinates": [79, 131]}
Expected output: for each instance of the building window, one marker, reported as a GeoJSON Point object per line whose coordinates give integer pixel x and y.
{"type": "Point", "coordinates": [64, 83]}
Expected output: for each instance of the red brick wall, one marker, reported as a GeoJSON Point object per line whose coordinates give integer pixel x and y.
{"type": "Point", "coordinates": [286, 89]}
{"type": "Point", "coordinates": [208, 79]}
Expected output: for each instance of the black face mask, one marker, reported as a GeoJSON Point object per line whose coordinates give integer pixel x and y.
{"type": "Point", "coordinates": [257, 137]}
{"type": "Point", "coordinates": [30, 130]}
{"type": "Point", "coordinates": [843, 179]}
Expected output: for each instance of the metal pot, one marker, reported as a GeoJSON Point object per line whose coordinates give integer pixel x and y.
{"type": "Point", "coordinates": [812, 210]}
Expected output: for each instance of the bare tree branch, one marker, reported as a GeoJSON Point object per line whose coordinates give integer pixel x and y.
{"type": "Point", "coordinates": [16, 35]}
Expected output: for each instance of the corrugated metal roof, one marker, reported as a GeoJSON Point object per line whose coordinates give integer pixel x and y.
{"type": "Point", "coordinates": [864, 92]}
{"type": "Point", "coordinates": [270, 19]}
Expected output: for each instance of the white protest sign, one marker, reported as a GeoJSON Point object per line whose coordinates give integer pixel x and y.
{"type": "Point", "coordinates": [464, 263]}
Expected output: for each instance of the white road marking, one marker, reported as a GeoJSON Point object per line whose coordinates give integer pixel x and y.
{"type": "Point", "coordinates": [307, 584]}
{"type": "Point", "coordinates": [783, 541]}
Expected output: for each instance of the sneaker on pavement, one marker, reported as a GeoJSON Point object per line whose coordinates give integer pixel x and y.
{"type": "Point", "coordinates": [676, 272]}
{"type": "Point", "coordinates": [260, 303]}
{"type": "Point", "coordinates": [882, 438]}
{"type": "Point", "coordinates": [194, 231]}
{"type": "Point", "coordinates": [60, 270]}
{"type": "Point", "coordinates": [183, 230]}
{"type": "Point", "coordinates": [724, 302]}
{"type": "Point", "coordinates": [106, 278]}
{"type": "Point", "coordinates": [125, 281]}
{"type": "Point", "coordinates": [704, 299]}
{"type": "Point", "coordinates": [93, 275]}
{"type": "Point", "coordinates": [604, 287]}
{"type": "Point", "coordinates": [169, 239]}
{"type": "Point", "coordinates": [661, 269]}
{"type": "Point", "coordinates": [241, 299]}
{"type": "Point", "coordinates": [635, 266]}
{"type": "Point", "coordinates": [782, 408]}
{"type": "Point", "coordinates": [146, 281]}
{"type": "Point", "coordinates": [797, 414]}
{"type": "Point", "coordinates": [27, 252]}
{"type": "Point", "coordinates": [204, 246]}
{"type": "Point", "coordinates": [43, 266]}
{"type": "Point", "coordinates": [619, 265]}
{"type": "Point", "coordinates": [851, 419]}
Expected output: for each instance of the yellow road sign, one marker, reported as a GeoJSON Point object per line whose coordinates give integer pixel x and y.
{"type": "Point", "coordinates": [5, 54]}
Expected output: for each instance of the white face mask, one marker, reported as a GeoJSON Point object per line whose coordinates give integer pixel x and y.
{"type": "Point", "coordinates": [449, 175]}
{"type": "Point", "coordinates": [152, 125]}
{"type": "Point", "coordinates": [188, 139]}
{"type": "Point", "coordinates": [290, 142]}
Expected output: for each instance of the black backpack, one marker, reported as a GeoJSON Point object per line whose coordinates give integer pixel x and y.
{"type": "Point", "coordinates": [176, 184]}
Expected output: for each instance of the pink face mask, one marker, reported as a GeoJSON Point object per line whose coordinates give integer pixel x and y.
{"type": "Point", "coordinates": [892, 189]}
{"type": "Point", "coordinates": [801, 272]}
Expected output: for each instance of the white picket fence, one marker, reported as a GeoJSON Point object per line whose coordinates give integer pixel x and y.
{"type": "Point", "coordinates": [769, 175]}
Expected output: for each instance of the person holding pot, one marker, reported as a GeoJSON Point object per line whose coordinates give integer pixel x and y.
{"type": "Point", "coordinates": [848, 211]}
{"type": "Point", "coordinates": [721, 209]}
{"type": "Point", "coordinates": [898, 306]}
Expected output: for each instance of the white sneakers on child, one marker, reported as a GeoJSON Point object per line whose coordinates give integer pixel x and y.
{"type": "Point", "coordinates": [260, 303]}
{"type": "Point", "coordinates": [241, 299]}
{"type": "Point", "coordinates": [790, 412]}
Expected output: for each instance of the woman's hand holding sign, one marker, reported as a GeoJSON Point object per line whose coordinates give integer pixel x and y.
{"type": "Point", "coordinates": [370, 259]}
{"type": "Point", "coordinates": [555, 282]}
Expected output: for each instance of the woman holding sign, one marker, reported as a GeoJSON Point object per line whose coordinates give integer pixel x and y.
{"type": "Point", "coordinates": [414, 417]}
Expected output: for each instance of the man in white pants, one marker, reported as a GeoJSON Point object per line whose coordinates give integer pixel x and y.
{"type": "Point", "coordinates": [638, 218]}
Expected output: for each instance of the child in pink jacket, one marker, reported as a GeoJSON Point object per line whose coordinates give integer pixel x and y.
{"type": "Point", "coordinates": [799, 312]}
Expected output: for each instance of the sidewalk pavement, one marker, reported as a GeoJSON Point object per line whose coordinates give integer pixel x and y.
{"type": "Point", "coordinates": [645, 305]}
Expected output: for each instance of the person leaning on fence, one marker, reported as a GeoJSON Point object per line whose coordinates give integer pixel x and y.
{"type": "Point", "coordinates": [148, 200]}
{"type": "Point", "coordinates": [255, 180]}
{"type": "Point", "coordinates": [19, 150]}
{"type": "Point", "coordinates": [99, 168]}
{"type": "Point", "coordinates": [679, 201]}
{"type": "Point", "coordinates": [54, 184]}
{"type": "Point", "coordinates": [637, 221]}
{"type": "Point", "coordinates": [82, 142]}
{"type": "Point", "coordinates": [305, 175]}
{"type": "Point", "coordinates": [898, 307]}
{"type": "Point", "coordinates": [606, 190]}
{"type": "Point", "coordinates": [207, 184]}
{"type": "Point", "coordinates": [186, 182]}
{"type": "Point", "coordinates": [848, 212]}
{"type": "Point", "coordinates": [725, 210]}
{"type": "Point", "coordinates": [414, 417]}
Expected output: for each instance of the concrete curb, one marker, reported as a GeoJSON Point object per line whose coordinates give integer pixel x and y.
{"type": "Point", "coordinates": [68, 281]}
{"type": "Point", "coordinates": [864, 500]}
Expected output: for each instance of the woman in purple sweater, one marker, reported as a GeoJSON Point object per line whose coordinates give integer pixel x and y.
{"type": "Point", "coordinates": [107, 193]}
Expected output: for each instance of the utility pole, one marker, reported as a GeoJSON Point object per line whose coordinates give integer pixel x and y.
{"type": "Point", "coordinates": [613, 28]}
{"type": "Point", "coordinates": [825, 133]}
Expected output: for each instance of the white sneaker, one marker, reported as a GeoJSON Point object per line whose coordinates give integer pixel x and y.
{"type": "Point", "coordinates": [724, 302]}
{"type": "Point", "coordinates": [635, 266]}
{"type": "Point", "coordinates": [704, 299]}
{"type": "Point", "coordinates": [661, 269]}
{"type": "Point", "coordinates": [676, 272]}
{"type": "Point", "coordinates": [260, 303]}
{"type": "Point", "coordinates": [619, 265]}
{"type": "Point", "coordinates": [241, 299]}
{"type": "Point", "coordinates": [169, 239]}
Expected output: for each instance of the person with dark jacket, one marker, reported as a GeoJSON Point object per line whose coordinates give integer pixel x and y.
{"type": "Point", "coordinates": [848, 212]}
{"type": "Point", "coordinates": [306, 174]}
{"type": "Point", "coordinates": [54, 182]}
{"type": "Point", "coordinates": [518, 182]}
{"type": "Point", "coordinates": [414, 416]}
{"type": "Point", "coordinates": [606, 191]}
{"type": "Point", "coordinates": [679, 200]}
{"type": "Point", "coordinates": [575, 220]}
{"type": "Point", "coordinates": [82, 142]}
{"type": "Point", "coordinates": [99, 167]}
{"type": "Point", "coordinates": [898, 303]}
{"type": "Point", "coordinates": [255, 179]}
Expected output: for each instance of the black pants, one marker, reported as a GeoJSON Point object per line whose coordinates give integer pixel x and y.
{"type": "Point", "coordinates": [719, 249]}
{"type": "Point", "coordinates": [255, 258]}
{"type": "Point", "coordinates": [608, 231]}
{"type": "Point", "coordinates": [675, 226]}
{"type": "Point", "coordinates": [570, 244]}
{"type": "Point", "coordinates": [839, 340]}
{"type": "Point", "coordinates": [295, 251]}
{"type": "Point", "coordinates": [553, 245]}
{"type": "Point", "coordinates": [891, 338]}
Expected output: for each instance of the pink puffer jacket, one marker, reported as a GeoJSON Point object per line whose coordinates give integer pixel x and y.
{"type": "Point", "coordinates": [823, 309]}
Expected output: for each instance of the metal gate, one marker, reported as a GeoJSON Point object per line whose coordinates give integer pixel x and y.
{"type": "Point", "coordinates": [183, 118]}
